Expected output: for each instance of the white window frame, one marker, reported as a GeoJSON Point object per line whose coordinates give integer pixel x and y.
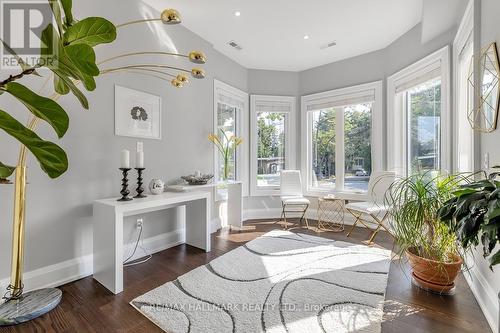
{"type": "Point", "coordinates": [396, 111]}
{"type": "Point", "coordinates": [377, 146]}
{"type": "Point", "coordinates": [284, 104]}
{"type": "Point", "coordinates": [224, 89]}
{"type": "Point", "coordinates": [463, 42]}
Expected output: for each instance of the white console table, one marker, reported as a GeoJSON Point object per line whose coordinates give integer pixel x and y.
{"type": "Point", "coordinates": [234, 199]}
{"type": "Point", "coordinates": [108, 229]}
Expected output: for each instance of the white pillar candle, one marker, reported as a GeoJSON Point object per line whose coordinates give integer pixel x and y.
{"type": "Point", "coordinates": [139, 159]}
{"type": "Point", "coordinates": [197, 173]}
{"type": "Point", "coordinates": [125, 159]}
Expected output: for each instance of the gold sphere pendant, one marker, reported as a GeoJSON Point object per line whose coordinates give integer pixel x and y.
{"type": "Point", "coordinates": [197, 57]}
{"type": "Point", "coordinates": [198, 73]}
{"type": "Point", "coordinates": [170, 16]}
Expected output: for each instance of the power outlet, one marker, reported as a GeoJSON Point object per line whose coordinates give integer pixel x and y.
{"type": "Point", "coordinates": [486, 161]}
{"type": "Point", "coordinates": [139, 223]}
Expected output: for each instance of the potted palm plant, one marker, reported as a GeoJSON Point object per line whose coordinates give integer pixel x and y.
{"type": "Point", "coordinates": [428, 245]}
{"type": "Point", "coordinates": [473, 215]}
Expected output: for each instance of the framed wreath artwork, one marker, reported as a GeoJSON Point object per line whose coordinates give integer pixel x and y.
{"type": "Point", "coordinates": [137, 114]}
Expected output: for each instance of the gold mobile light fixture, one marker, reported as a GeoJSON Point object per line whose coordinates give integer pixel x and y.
{"type": "Point", "coordinates": [168, 17]}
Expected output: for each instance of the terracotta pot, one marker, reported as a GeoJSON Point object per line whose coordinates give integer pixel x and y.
{"type": "Point", "coordinates": [434, 275]}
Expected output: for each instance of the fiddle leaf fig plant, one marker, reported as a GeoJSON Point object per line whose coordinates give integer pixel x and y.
{"type": "Point", "coordinates": [68, 52]}
{"type": "Point", "coordinates": [473, 214]}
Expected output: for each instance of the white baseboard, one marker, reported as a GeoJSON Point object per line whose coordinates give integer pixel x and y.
{"type": "Point", "coordinates": [485, 296]}
{"type": "Point", "coordinates": [264, 213]}
{"type": "Point", "coordinates": [215, 224]}
{"type": "Point", "coordinates": [74, 269]}
{"type": "Point", "coordinates": [55, 275]}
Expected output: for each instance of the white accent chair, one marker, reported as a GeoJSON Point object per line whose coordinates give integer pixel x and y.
{"type": "Point", "coordinates": [292, 198]}
{"type": "Point", "coordinates": [375, 207]}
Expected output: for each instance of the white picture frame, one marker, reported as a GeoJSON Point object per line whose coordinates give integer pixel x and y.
{"type": "Point", "coordinates": [137, 113]}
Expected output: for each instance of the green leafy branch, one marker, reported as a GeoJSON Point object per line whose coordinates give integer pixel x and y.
{"type": "Point", "coordinates": [69, 54]}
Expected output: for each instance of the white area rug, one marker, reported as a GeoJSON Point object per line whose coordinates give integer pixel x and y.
{"type": "Point", "coordinates": [279, 282]}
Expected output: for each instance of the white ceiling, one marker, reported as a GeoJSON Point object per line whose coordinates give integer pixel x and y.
{"type": "Point", "coordinates": [271, 32]}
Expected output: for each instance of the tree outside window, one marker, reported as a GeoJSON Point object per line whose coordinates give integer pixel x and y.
{"type": "Point", "coordinates": [270, 147]}
{"type": "Point", "coordinates": [356, 154]}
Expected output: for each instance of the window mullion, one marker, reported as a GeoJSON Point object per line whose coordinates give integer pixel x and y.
{"type": "Point", "coordinates": [339, 149]}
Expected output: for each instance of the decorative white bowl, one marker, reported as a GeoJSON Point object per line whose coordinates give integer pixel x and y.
{"type": "Point", "coordinates": [197, 180]}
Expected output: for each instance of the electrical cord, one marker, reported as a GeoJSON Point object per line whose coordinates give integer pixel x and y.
{"type": "Point", "coordinates": [126, 262]}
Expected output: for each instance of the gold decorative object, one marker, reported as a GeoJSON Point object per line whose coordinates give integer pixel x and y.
{"type": "Point", "coordinates": [483, 118]}
{"type": "Point", "coordinates": [197, 57]}
{"type": "Point", "coordinates": [16, 276]}
{"type": "Point", "coordinates": [182, 78]}
{"type": "Point", "coordinates": [176, 83]}
{"type": "Point", "coordinates": [170, 16]}
{"type": "Point", "coordinates": [198, 73]}
{"type": "Point", "coordinates": [331, 214]}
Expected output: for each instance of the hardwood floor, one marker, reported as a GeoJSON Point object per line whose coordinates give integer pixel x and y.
{"type": "Point", "coordinates": [89, 307]}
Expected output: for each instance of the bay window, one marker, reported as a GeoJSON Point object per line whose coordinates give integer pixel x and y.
{"type": "Point", "coordinates": [418, 116]}
{"type": "Point", "coordinates": [272, 137]}
{"type": "Point", "coordinates": [342, 138]}
{"type": "Point", "coordinates": [230, 114]}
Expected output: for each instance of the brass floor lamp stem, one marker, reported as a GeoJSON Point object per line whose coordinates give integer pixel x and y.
{"type": "Point", "coordinates": [18, 226]}
{"type": "Point", "coordinates": [16, 278]}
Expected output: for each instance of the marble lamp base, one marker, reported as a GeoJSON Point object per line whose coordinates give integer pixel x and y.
{"type": "Point", "coordinates": [31, 305]}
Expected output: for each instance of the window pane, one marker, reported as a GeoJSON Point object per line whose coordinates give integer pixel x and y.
{"type": "Point", "coordinates": [270, 148]}
{"type": "Point", "coordinates": [323, 149]}
{"type": "Point", "coordinates": [226, 121]}
{"type": "Point", "coordinates": [424, 135]}
{"type": "Point", "coordinates": [357, 146]}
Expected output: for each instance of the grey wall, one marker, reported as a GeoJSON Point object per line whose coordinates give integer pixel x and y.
{"type": "Point", "coordinates": [59, 225]}
{"type": "Point", "coordinates": [490, 32]}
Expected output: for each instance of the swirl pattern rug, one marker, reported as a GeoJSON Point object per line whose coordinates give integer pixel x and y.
{"type": "Point", "coordinates": [278, 282]}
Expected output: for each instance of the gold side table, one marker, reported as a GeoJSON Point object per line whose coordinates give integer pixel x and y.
{"type": "Point", "coordinates": [331, 214]}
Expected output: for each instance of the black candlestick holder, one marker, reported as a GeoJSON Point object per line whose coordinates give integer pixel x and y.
{"type": "Point", "coordinates": [139, 189]}
{"type": "Point", "coordinates": [125, 192]}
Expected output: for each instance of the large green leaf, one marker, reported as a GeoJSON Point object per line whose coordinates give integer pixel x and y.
{"type": "Point", "coordinates": [65, 69]}
{"type": "Point", "coordinates": [495, 259]}
{"type": "Point", "coordinates": [68, 67]}
{"type": "Point", "coordinates": [50, 39]}
{"type": "Point", "coordinates": [91, 31]}
{"type": "Point", "coordinates": [493, 209]}
{"type": "Point", "coordinates": [74, 89]}
{"type": "Point", "coordinates": [59, 86]}
{"type": "Point", "coordinates": [56, 10]}
{"type": "Point", "coordinates": [41, 107]}
{"type": "Point", "coordinates": [68, 16]}
{"type": "Point", "coordinates": [52, 158]}
{"type": "Point", "coordinates": [6, 170]}
{"type": "Point", "coordinates": [83, 56]}
{"type": "Point", "coordinates": [464, 191]}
